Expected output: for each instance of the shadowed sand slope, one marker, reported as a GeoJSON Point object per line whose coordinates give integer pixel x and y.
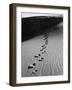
{"type": "Point", "coordinates": [34, 26]}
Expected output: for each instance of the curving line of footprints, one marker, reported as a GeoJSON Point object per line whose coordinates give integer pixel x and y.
{"type": "Point", "coordinates": [39, 57]}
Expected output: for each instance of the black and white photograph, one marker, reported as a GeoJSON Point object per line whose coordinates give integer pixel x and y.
{"type": "Point", "coordinates": [39, 44]}
{"type": "Point", "coordinates": [42, 45]}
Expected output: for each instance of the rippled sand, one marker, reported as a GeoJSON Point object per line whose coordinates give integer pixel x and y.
{"type": "Point", "coordinates": [53, 57]}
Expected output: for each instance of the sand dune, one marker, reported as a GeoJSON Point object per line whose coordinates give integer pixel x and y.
{"type": "Point", "coordinates": [53, 57]}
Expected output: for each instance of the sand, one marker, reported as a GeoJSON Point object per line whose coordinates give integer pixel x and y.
{"type": "Point", "coordinates": [53, 57]}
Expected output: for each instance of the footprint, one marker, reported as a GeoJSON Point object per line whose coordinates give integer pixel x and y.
{"type": "Point", "coordinates": [43, 45]}
{"type": "Point", "coordinates": [42, 58]}
{"type": "Point", "coordinates": [34, 64]}
{"type": "Point", "coordinates": [39, 60]}
{"type": "Point", "coordinates": [45, 38]}
{"type": "Point", "coordinates": [36, 56]}
{"type": "Point", "coordinates": [43, 48]}
{"type": "Point", "coordinates": [39, 55]}
{"type": "Point", "coordinates": [46, 42]}
{"type": "Point", "coordinates": [43, 52]}
{"type": "Point", "coordinates": [34, 71]}
{"type": "Point", "coordinates": [30, 67]}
